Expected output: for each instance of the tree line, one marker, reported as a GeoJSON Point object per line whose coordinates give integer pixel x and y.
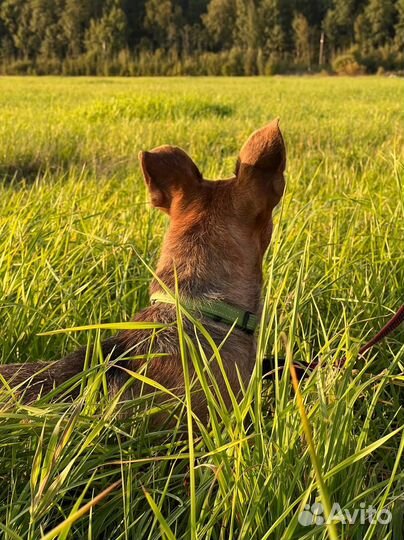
{"type": "Point", "coordinates": [200, 37]}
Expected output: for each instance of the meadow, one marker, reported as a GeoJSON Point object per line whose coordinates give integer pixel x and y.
{"type": "Point", "coordinates": [76, 238]}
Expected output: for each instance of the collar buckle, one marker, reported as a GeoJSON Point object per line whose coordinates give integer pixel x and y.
{"type": "Point", "coordinates": [244, 323]}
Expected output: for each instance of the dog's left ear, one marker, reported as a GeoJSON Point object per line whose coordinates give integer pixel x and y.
{"type": "Point", "coordinates": [171, 175]}
{"type": "Point", "coordinates": [261, 164]}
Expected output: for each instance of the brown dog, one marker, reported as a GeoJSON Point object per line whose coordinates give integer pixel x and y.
{"type": "Point", "coordinates": [214, 248]}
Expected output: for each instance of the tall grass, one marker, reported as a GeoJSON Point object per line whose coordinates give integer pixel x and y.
{"type": "Point", "coordinates": [74, 229]}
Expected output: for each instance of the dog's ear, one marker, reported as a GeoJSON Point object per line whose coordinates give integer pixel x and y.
{"type": "Point", "coordinates": [262, 162]}
{"type": "Point", "coordinates": [170, 174]}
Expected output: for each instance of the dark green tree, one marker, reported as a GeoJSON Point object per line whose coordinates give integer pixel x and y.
{"type": "Point", "coordinates": [272, 32]}
{"type": "Point", "coordinates": [107, 35]}
{"type": "Point", "coordinates": [339, 23]}
{"type": "Point", "coordinates": [220, 22]}
{"type": "Point", "coordinates": [16, 18]}
{"type": "Point", "coordinates": [302, 39]}
{"type": "Point", "coordinates": [399, 26]}
{"type": "Point", "coordinates": [163, 21]}
{"type": "Point", "coordinates": [135, 15]}
{"type": "Point", "coordinates": [73, 23]}
{"type": "Point", "coordinates": [246, 24]}
{"type": "Point", "coordinates": [46, 29]}
{"type": "Point", "coordinates": [379, 15]}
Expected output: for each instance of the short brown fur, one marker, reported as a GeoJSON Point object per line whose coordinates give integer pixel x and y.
{"type": "Point", "coordinates": [218, 235]}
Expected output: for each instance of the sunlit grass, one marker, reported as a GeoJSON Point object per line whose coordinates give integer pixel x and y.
{"type": "Point", "coordinates": [74, 226]}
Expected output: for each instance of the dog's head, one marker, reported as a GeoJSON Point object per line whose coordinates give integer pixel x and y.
{"type": "Point", "coordinates": [240, 208]}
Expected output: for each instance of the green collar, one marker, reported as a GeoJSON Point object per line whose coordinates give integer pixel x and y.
{"type": "Point", "coordinates": [216, 310]}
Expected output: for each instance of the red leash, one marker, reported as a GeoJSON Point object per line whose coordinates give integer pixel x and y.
{"type": "Point", "coordinates": [387, 329]}
{"type": "Point", "coordinates": [304, 369]}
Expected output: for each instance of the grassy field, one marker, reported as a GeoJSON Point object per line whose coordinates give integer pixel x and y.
{"type": "Point", "coordinates": [74, 226]}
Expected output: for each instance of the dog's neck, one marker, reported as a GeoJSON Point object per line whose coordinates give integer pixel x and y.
{"type": "Point", "coordinates": [209, 269]}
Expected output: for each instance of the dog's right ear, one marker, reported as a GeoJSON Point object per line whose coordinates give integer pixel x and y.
{"type": "Point", "coordinates": [171, 175]}
{"type": "Point", "coordinates": [261, 165]}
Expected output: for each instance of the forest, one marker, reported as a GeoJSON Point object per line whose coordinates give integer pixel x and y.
{"type": "Point", "coordinates": [200, 37]}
